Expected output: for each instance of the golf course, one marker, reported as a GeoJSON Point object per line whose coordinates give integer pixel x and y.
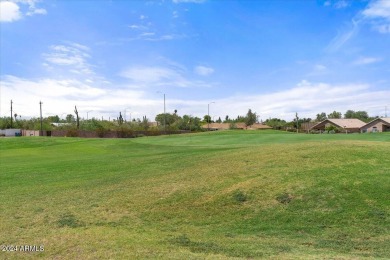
{"type": "Point", "coordinates": [215, 195]}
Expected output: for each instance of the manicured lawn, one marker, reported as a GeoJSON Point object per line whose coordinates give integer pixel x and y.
{"type": "Point", "coordinates": [230, 194]}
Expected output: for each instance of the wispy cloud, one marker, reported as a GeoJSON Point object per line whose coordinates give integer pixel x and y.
{"type": "Point", "coordinates": [306, 98]}
{"type": "Point", "coordinates": [377, 13]}
{"type": "Point", "coordinates": [138, 27]}
{"type": "Point", "coordinates": [341, 4]}
{"type": "Point", "coordinates": [366, 60]}
{"type": "Point", "coordinates": [343, 37]}
{"type": "Point", "coordinates": [338, 4]}
{"type": "Point", "coordinates": [73, 56]}
{"type": "Point", "coordinates": [60, 96]}
{"type": "Point", "coordinates": [151, 75]}
{"type": "Point", "coordinates": [188, 1]}
{"type": "Point", "coordinates": [158, 76]}
{"type": "Point", "coordinates": [203, 70]}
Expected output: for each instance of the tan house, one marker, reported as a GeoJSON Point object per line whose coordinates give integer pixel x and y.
{"type": "Point", "coordinates": [351, 125]}
{"type": "Point", "coordinates": [377, 125]}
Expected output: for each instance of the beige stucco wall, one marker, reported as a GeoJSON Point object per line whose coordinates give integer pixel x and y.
{"type": "Point", "coordinates": [30, 133]}
{"type": "Point", "coordinates": [380, 126]}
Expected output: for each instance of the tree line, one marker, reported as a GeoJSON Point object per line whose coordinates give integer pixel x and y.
{"type": "Point", "coordinates": [168, 121]}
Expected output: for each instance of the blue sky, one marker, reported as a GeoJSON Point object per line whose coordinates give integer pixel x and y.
{"type": "Point", "coordinates": [275, 57]}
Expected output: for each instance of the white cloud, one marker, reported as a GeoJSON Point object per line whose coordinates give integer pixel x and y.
{"type": "Point", "coordinates": [307, 98]}
{"type": "Point", "coordinates": [73, 56]}
{"type": "Point", "coordinates": [151, 75]}
{"type": "Point", "coordinates": [378, 12]}
{"type": "Point", "coordinates": [384, 28]}
{"type": "Point", "coordinates": [165, 73]}
{"type": "Point", "coordinates": [378, 9]}
{"type": "Point", "coordinates": [203, 71]}
{"type": "Point", "coordinates": [343, 37]}
{"type": "Point", "coordinates": [341, 4]}
{"type": "Point", "coordinates": [9, 12]}
{"type": "Point", "coordinates": [60, 96]}
{"type": "Point", "coordinates": [366, 60]}
{"type": "Point", "coordinates": [138, 27]}
{"type": "Point", "coordinates": [37, 11]}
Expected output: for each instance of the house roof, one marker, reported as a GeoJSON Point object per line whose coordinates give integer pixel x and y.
{"type": "Point", "coordinates": [350, 123]}
{"type": "Point", "coordinates": [259, 126]}
{"type": "Point", "coordinates": [223, 125]}
{"type": "Point", "coordinates": [216, 126]}
{"type": "Point", "coordinates": [386, 120]}
{"type": "Point", "coordinates": [226, 126]}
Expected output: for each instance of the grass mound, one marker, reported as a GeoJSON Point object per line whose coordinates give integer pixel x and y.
{"type": "Point", "coordinates": [232, 194]}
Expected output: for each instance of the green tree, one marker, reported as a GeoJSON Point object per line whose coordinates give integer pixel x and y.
{"type": "Point", "coordinates": [145, 123]}
{"type": "Point", "coordinates": [334, 114]}
{"type": "Point", "coordinates": [362, 115]}
{"type": "Point", "coordinates": [250, 118]}
{"type": "Point", "coordinates": [275, 123]}
{"type": "Point", "coordinates": [54, 119]}
{"type": "Point", "coordinates": [349, 114]}
{"type": "Point", "coordinates": [207, 118]}
{"type": "Point", "coordinates": [70, 118]}
{"type": "Point", "coordinates": [321, 117]}
{"type": "Point", "coordinates": [169, 119]}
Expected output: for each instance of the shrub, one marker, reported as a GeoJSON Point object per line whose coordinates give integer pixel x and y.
{"type": "Point", "coordinates": [124, 133]}
{"type": "Point", "coordinates": [101, 132]}
{"type": "Point", "coordinates": [72, 133]}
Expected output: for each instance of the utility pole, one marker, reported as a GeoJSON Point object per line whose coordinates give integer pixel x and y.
{"type": "Point", "coordinates": [40, 107]}
{"type": "Point", "coordinates": [296, 116]}
{"type": "Point", "coordinates": [385, 111]}
{"type": "Point", "coordinates": [11, 113]}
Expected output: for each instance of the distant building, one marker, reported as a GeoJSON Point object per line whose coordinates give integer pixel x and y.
{"type": "Point", "coordinates": [351, 125]}
{"type": "Point", "coordinates": [258, 126]}
{"type": "Point", "coordinates": [227, 126]}
{"type": "Point", "coordinates": [377, 125]}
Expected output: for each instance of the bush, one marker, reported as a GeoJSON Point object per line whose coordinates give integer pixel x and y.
{"type": "Point", "coordinates": [72, 133]}
{"type": "Point", "coordinates": [331, 129]}
{"type": "Point", "coordinates": [101, 132]}
{"type": "Point", "coordinates": [124, 133]}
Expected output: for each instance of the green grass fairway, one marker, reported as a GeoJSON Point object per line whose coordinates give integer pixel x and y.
{"type": "Point", "coordinates": [222, 195]}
